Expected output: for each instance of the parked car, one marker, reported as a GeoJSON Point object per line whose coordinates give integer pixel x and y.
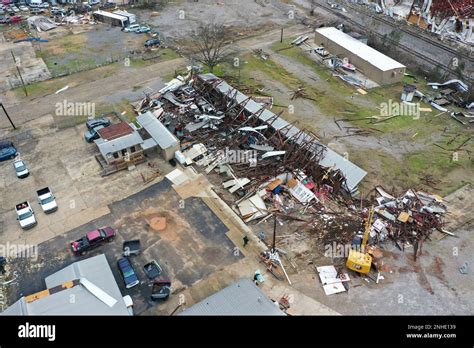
{"type": "Point", "coordinates": [321, 51]}
{"type": "Point", "coordinates": [160, 290]}
{"type": "Point", "coordinates": [97, 122]}
{"type": "Point", "coordinates": [37, 10]}
{"type": "Point", "coordinates": [7, 150]}
{"type": "Point", "coordinates": [152, 270]}
{"type": "Point", "coordinates": [143, 29]}
{"type": "Point", "coordinates": [16, 19]}
{"type": "Point", "coordinates": [5, 20]}
{"type": "Point", "coordinates": [58, 12]}
{"type": "Point", "coordinates": [94, 2]}
{"type": "Point", "coordinates": [20, 169]}
{"type": "Point", "coordinates": [152, 42]}
{"type": "Point", "coordinates": [131, 28]}
{"type": "Point", "coordinates": [46, 200]}
{"type": "Point", "coordinates": [93, 134]}
{"type": "Point", "coordinates": [2, 12]}
{"type": "Point", "coordinates": [23, 8]}
{"type": "Point", "coordinates": [44, 5]}
{"type": "Point", "coordinates": [131, 247]}
{"type": "Point", "coordinates": [26, 215]}
{"type": "Point", "coordinates": [107, 5]}
{"type": "Point", "coordinates": [15, 9]}
{"type": "Point", "coordinates": [92, 240]}
{"type": "Point", "coordinates": [128, 273]}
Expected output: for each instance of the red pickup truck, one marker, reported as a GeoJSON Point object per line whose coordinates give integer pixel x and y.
{"type": "Point", "coordinates": [92, 240]}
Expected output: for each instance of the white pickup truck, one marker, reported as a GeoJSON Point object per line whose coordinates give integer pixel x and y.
{"type": "Point", "coordinates": [26, 215]}
{"type": "Point", "coordinates": [46, 200]}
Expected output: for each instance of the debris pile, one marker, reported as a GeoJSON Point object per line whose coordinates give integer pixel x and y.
{"type": "Point", "coordinates": [452, 92]}
{"type": "Point", "coordinates": [407, 220]}
{"type": "Point", "coordinates": [41, 23]}
{"type": "Point", "coordinates": [225, 132]}
{"type": "Point", "coordinates": [450, 20]}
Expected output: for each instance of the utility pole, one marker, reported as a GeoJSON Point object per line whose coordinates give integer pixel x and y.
{"type": "Point", "coordinates": [281, 36]}
{"type": "Point", "coordinates": [238, 84]}
{"type": "Point", "coordinates": [274, 233]}
{"type": "Point", "coordinates": [6, 113]}
{"type": "Point", "coordinates": [19, 73]}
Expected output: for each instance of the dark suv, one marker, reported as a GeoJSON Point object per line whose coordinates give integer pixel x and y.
{"type": "Point", "coordinates": [152, 42]}
{"type": "Point", "coordinates": [97, 122]}
{"type": "Point", "coordinates": [7, 150]}
{"type": "Point", "coordinates": [128, 273]}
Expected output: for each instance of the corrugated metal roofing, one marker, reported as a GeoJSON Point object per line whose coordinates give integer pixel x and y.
{"type": "Point", "coordinates": [240, 298]}
{"type": "Point", "coordinates": [115, 131]}
{"type": "Point", "coordinates": [353, 173]}
{"type": "Point", "coordinates": [360, 49]}
{"type": "Point", "coordinates": [125, 142]}
{"type": "Point", "coordinates": [95, 269]}
{"type": "Point", "coordinates": [110, 15]}
{"type": "Point", "coordinates": [158, 131]}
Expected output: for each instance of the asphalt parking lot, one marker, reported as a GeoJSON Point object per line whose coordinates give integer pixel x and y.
{"type": "Point", "coordinates": [62, 160]}
{"type": "Point", "coordinates": [192, 246]}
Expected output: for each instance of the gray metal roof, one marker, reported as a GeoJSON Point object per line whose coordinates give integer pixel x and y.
{"type": "Point", "coordinates": [240, 298]}
{"type": "Point", "coordinates": [157, 130]}
{"type": "Point", "coordinates": [114, 145]}
{"type": "Point", "coordinates": [353, 173]}
{"type": "Point", "coordinates": [95, 269]}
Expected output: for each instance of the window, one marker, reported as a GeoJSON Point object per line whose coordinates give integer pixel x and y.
{"type": "Point", "coordinates": [132, 149]}
{"type": "Point", "coordinates": [124, 152]}
{"type": "Point", "coordinates": [116, 155]}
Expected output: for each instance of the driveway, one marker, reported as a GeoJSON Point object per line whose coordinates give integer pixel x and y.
{"type": "Point", "coordinates": [191, 247]}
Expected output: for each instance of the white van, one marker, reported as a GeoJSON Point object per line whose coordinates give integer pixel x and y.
{"type": "Point", "coordinates": [131, 28]}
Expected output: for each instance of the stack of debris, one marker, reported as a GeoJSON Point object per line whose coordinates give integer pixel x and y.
{"type": "Point", "coordinates": [450, 92]}
{"type": "Point", "coordinates": [226, 132]}
{"type": "Point", "coordinates": [41, 23]}
{"type": "Point", "coordinates": [407, 220]}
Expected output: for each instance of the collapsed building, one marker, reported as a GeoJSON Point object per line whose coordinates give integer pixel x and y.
{"type": "Point", "coordinates": [267, 167]}
{"type": "Point", "coordinates": [451, 19]}
{"type": "Point", "coordinates": [215, 115]}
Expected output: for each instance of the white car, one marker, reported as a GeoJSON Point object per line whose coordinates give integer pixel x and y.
{"type": "Point", "coordinates": [131, 28]}
{"type": "Point", "coordinates": [20, 169]}
{"type": "Point", "coordinates": [44, 5]}
{"type": "Point", "coordinates": [23, 8]}
{"type": "Point", "coordinates": [321, 51]}
{"type": "Point", "coordinates": [46, 200]}
{"type": "Point", "coordinates": [15, 9]}
{"type": "Point", "coordinates": [26, 215]}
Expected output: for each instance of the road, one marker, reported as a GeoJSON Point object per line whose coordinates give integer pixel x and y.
{"type": "Point", "coordinates": [118, 86]}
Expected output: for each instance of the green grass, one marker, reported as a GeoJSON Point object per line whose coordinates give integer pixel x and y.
{"type": "Point", "coordinates": [335, 101]}
{"type": "Point", "coordinates": [68, 122]}
{"type": "Point", "coordinates": [40, 88]}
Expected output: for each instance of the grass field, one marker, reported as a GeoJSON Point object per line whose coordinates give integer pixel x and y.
{"type": "Point", "coordinates": [447, 171]}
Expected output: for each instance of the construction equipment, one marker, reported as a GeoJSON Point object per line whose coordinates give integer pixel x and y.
{"type": "Point", "coordinates": [360, 261]}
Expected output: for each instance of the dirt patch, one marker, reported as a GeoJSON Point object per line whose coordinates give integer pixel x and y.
{"type": "Point", "coordinates": [157, 223]}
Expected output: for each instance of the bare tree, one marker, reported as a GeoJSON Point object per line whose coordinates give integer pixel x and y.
{"type": "Point", "coordinates": [210, 42]}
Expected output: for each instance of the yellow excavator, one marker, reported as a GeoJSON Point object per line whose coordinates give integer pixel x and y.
{"type": "Point", "coordinates": [361, 261]}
